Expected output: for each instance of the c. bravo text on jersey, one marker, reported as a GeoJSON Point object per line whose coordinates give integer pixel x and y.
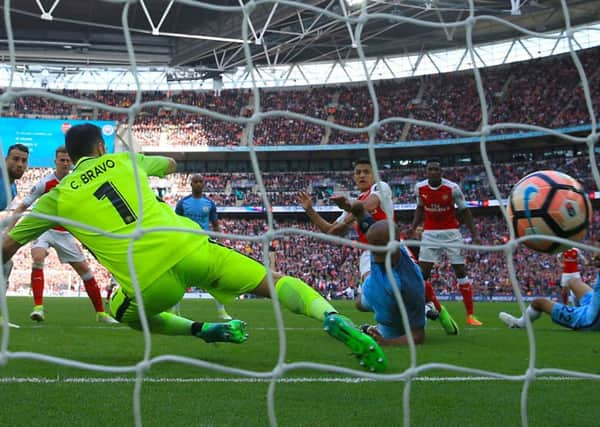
{"type": "Point", "coordinates": [92, 173]}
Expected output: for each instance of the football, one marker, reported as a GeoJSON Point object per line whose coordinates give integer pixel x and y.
{"type": "Point", "coordinates": [549, 203]}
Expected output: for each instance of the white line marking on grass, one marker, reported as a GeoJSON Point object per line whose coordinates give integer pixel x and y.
{"type": "Point", "coordinates": [114, 380]}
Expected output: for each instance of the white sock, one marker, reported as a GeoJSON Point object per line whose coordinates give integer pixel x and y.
{"type": "Point", "coordinates": [530, 312]}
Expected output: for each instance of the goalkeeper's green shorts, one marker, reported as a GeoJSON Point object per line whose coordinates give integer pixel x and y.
{"type": "Point", "coordinates": [219, 270]}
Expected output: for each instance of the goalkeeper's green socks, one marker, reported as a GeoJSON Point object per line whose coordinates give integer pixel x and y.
{"type": "Point", "coordinates": [300, 298]}
{"type": "Point", "coordinates": [167, 324]}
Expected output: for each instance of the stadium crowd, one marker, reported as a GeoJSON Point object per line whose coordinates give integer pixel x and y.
{"type": "Point", "coordinates": [545, 92]}
{"type": "Point", "coordinates": [330, 268]}
{"type": "Point", "coordinates": [241, 189]}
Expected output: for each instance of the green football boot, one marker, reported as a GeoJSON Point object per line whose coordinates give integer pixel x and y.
{"type": "Point", "coordinates": [363, 346]}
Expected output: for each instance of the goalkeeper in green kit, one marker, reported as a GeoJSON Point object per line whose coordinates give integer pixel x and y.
{"type": "Point", "coordinates": [112, 218]}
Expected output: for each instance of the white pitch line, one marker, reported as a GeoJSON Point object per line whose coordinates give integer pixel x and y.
{"type": "Point", "coordinates": [114, 380]}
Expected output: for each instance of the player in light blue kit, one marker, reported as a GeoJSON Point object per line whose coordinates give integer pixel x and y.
{"type": "Point", "coordinates": [16, 161]}
{"type": "Point", "coordinates": [202, 211]}
{"type": "Point", "coordinates": [378, 292]}
{"type": "Point", "coordinates": [585, 317]}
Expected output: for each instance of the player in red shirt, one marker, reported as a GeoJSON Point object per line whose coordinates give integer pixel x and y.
{"type": "Point", "coordinates": [570, 260]}
{"type": "Point", "coordinates": [63, 243]}
{"type": "Point", "coordinates": [373, 195]}
{"type": "Point", "coordinates": [440, 206]}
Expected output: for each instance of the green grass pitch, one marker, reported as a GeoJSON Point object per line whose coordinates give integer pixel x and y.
{"type": "Point", "coordinates": [40, 393]}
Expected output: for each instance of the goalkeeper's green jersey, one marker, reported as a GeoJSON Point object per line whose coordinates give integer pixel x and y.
{"type": "Point", "coordinates": [101, 193]}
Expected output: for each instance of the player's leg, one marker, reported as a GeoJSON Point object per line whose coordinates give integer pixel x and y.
{"type": "Point", "coordinates": [426, 267]}
{"type": "Point", "coordinates": [68, 252]}
{"type": "Point", "coordinates": [577, 286]}
{"type": "Point", "coordinates": [93, 290]}
{"type": "Point", "coordinates": [533, 312]}
{"type": "Point", "coordinates": [39, 251]}
{"type": "Point", "coordinates": [111, 288]}
{"type": "Point", "coordinates": [564, 295]}
{"type": "Point", "coordinates": [300, 298]}
{"type": "Point", "coordinates": [432, 304]}
{"type": "Point", "coordinates": [428, 256]}
{"type": "Point", "coordinates": [221, 312]}
{"type": "Point", "coordinates": [466, 290]}
{"type": "Point", "coordinates": [234, 274]}
{"type": "Point", "coordinates": [158, 298]}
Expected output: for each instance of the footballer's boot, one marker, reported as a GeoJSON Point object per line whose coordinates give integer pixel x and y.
{"type": "Point", "coordinates": [509, 320]}
{"type": "Point", "coordinates": [431, 312]}
{"type": "Point", "coordinates": [448, 323]}
{"type": "Point", "coordinates": [233, 331]}
{"type": "Point", "coordinates": [104, 317]}
{"type": "Point", "coordinates": [38, 313]}
{"type": "Point", "coordinates": [10, 325]}
{"type": "Point", "coordinates": [473, 321]}
{"type": "Point", "coordinates": [363, 346]}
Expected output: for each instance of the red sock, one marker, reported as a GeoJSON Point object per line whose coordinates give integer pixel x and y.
{"type": "Point", "coordinates": [467, 293]}
{"type": "Point", "coordinates": [93, 291]}
{"type": "Point", "coordinates": [37, 285]}
{"type": "Point", "coordinates": [430, 296]}
{"type": "Point", "coordinates": [564, 294]}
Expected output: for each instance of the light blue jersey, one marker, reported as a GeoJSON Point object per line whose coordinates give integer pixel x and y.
{"type": "Point", "coordinates": [201, 210]}
{"type": "Point", "coordinates": [3, 198]}
{"type": "Point", "coordinates": [585, 317]}
{"type": "Point", "coordinates": [378, 296]}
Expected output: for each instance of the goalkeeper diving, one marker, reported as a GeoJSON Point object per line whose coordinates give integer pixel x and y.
{"type": "Point", "coordinates": [119, 225]}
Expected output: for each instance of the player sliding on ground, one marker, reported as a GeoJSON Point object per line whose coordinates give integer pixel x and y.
{"type": "Point", "coordinates": [584, 317]}
{"type": "Point", "coordinates": [378, 291]}
{"type": "Point", "coordinates": [102, 193]}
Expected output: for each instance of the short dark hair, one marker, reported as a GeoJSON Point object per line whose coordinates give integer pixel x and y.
{"type": "Point", "coordinates": [60, 149]}
{"type": "Point", "coordinates": [81, 140]}
{"type": "Point", "coordinates": [361, 161]}
{"type": "Point", "coordinates": [19, 147]}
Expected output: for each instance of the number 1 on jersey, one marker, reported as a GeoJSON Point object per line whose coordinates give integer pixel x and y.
{"type": "Point", "coordinates": [110, 192]}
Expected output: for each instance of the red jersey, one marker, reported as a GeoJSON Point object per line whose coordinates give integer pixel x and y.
{"type": "Point", "coordinates": [43, 186]}
{"type": "Point", "coordinates": [382, 192]}
{"type": "Point", "coordinates": [570, 259]}
{"type": "Point", "coordinates": [440, 204]}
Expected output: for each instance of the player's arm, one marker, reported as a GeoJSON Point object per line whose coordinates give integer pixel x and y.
{"type": "Point", "coordinates": [213, 218]}
{"type": "Point", "coordinates": [380, 191]}
{"type": "Point", "coordinates": [418, 217]}
{"type": "Point", "coordinates": [464, 214]}
{"type": "Point", "coordinates": [16, 214]}
{"type": "Point", "coordinates": [337, 228]}
{"type": "Point", "coordinates": [36, 192]}
{"type": "Point", "coordinates": [583, 258]}
{"type": "Point", "coordinates": [30, 227]}
{"type": "Point", "coordinates": [157, 165]}
{"type": "Point", "coordinates": [466, 218]}
{"type": "Point", "coordinates": [179, 208]}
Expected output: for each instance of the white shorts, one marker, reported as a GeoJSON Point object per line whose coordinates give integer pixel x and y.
{"type": "Point", "coordinates": [365, 264]}
{"type": "Point", "coordinates": [564, 279]}
{"type": "Point", "coordinates": [436, 246]}
{"type": "Point", "coordinates": [63, 243]}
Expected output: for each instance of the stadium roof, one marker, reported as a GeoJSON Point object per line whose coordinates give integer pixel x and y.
{"type": "Point", "coordinates": [206, 39]}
